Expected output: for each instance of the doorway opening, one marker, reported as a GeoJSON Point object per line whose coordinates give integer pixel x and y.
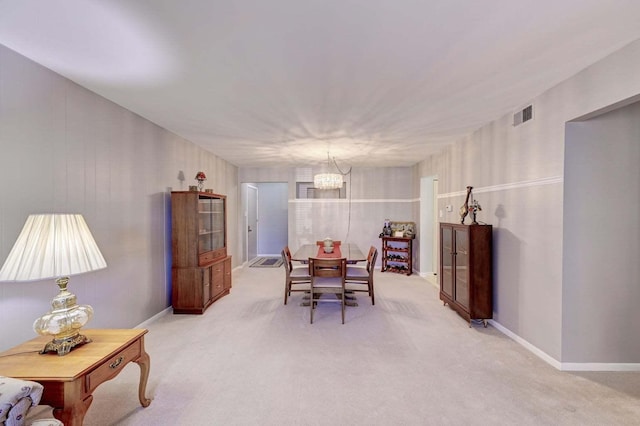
{"type": "Point", "coordinates": [428, 228]}
{"type": "Point", "coordinates": [266, 219]}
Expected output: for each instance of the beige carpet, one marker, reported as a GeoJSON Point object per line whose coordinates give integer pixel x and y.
{"type": "Point", "coordinates": [408, 360]}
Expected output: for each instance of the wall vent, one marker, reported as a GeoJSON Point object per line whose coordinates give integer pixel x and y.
{"type": "Point", "coordinates": [523, 116]}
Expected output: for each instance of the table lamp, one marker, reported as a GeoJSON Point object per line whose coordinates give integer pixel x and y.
{"type": "Point", "coordinates": [56, 246]}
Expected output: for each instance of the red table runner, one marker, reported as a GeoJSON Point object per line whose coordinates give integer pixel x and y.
{"type": "Point", "coordinates": [336, 254]}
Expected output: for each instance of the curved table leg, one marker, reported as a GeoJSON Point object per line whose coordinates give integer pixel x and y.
{"type": "Point", "coordinates": [145, 364]}
{"type": "Point", "coordinates": [73, 414]}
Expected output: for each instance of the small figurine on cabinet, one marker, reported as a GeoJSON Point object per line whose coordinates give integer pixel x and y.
{"type": "Point", "coordinates": [464, 210]}
{"type": "Point", "coordinates": [474, 208]}
{"type": "Point", "coordinates": [200, 177]}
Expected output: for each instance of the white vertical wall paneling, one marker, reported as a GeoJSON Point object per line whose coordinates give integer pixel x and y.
{"type": "Point", "coordinates": [65, 149]}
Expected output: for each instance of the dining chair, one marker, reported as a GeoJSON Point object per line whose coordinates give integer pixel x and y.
{"type": "Point", "coordinates": [359, 275]}
{"type": "Point", "coordinates": [298, 276]}
{"type": "Point", "coordinates": [327, 277]}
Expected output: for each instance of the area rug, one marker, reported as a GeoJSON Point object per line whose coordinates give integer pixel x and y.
{"type": "Point", "coordinates": [267, 262]}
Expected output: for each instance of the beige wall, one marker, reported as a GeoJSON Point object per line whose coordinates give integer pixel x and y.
{"type": "Point", "coordinates": [601, 284]}
{"type": "Point", "coordinates": [65, 149]}
{"type": "Point", "coordinates": [517, 173]}
{"type": "Point", "coordinates": [376, 194]}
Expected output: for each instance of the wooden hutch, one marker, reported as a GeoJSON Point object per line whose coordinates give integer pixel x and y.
{"type": "Point", "coordinates": [466, 281]}
{"type": "Point", "coordinates": [201, 268]}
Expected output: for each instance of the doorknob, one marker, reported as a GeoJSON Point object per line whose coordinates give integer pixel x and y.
{"type": "Point", "coordinates": [249, 229]}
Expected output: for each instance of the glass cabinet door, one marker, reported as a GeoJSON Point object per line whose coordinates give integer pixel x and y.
{"type": "Point", "coordinates": [205, 225]}
{"type": "Point", "coordinates": [217, 223]}
{"type": "Point", "coordinates": [211, 224]}
{"type": "Point", "coordinates": [447, 261]}
{"type": "Point", "coordinates": [462, 268]}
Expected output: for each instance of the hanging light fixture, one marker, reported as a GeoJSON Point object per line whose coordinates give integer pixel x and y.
{"type": "Point", "coordinates": [327, 180]}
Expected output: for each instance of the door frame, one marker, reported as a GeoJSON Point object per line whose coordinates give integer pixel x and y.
{"type": "Point", "coordinates": [428, 226]}
{"type": "Point", "coordinates": [250, 188]}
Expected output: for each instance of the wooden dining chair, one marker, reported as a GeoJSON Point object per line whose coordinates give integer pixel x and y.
{"type": "Point", "coordinates": [298, 276]}
{"type": "Point", "coordinates": [327, 277]}
{"type": "Point", "coordinates": [359, 276]}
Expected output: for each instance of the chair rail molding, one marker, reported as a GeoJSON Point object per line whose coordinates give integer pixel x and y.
{"type": "Point", "coordinates": [505, 186]}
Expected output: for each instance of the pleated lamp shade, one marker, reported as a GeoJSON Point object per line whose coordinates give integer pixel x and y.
{"type": "Point", "coordinates": [52, 246]}
{"type": "Point", "coordinates": [56, 246]}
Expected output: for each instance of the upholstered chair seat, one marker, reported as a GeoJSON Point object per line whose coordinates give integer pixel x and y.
{"type": "Point", "coordinates": [16, 399]}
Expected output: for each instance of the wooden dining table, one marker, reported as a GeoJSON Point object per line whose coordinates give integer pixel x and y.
{"type": "Point", "coordinates": [349, 251]}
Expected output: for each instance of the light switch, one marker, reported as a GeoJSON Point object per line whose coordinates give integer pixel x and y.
{"type": "Point", "coordinates": [449, 208]}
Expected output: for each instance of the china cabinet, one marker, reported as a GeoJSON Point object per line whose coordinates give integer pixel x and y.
{"type": "Point", "coordinates": [466, 270]}
{"type": "Point", "coordinates": [201, 268]}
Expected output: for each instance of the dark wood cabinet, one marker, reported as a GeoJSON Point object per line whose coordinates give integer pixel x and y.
{"type": "Point", "coordinates": [397, 255]}
{"type": "Point", "coordinates": [201, 269]}
{"type": "Point", "coordinates": [466, 277]}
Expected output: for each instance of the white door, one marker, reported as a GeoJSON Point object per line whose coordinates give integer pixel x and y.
{"type": "Point", "coordinates": [428, 226]}
{"type": "Point", "coordinates": [252, 222]}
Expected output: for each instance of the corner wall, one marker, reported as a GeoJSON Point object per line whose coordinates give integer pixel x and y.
{"type": "Point", "coordinates": [518, 178]}
{"type": "Point", "coordinates": [601, 275]}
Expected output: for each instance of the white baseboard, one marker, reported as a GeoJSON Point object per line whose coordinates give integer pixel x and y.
{"type": "Point", "coordinates": [565, 366]}
{"type": "Point", "coordinates": [599, 366]}
{"type": "Point", "coordinates": [157, 316]}
{"type": "Point", "coordinates": [540, 354]}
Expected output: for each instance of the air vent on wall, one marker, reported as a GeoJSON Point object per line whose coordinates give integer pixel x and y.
{"type": "Point", "coordinates": [523, 116]}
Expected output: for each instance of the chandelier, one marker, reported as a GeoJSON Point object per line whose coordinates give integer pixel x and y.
{"type": "Point", "coordinates": [328, 180]}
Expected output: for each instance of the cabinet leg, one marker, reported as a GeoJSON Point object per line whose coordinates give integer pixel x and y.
{"type": "Point", "coordinates": [483, 321]}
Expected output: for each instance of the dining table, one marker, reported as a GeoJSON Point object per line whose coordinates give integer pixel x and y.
{"type": "Point", "coordinates": [349, 251]}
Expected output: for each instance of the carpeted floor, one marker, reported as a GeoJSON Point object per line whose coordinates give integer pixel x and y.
{"type": "Point", "coordinates": [408, 360]}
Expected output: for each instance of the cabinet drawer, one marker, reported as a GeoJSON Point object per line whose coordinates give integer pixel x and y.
{"type": "Point", "coordinates": [217, 279]}
{"type": "Point", "coordinates": [220, 253]}
{"type": "Point", "coordinates": [210, 256]}
{"type": "Point", "coordinates": [205, 258]}
{"type": "Point", "coordinates": [112, 367]}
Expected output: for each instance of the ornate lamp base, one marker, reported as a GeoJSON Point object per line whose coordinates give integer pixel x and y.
{"type": "Point", "coordinates": [64, 321]}
{"type": "Point", "coordinates": [64, 346]}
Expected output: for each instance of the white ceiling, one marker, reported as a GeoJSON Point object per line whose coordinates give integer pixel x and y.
{"type": "Point", "coordinates": [281, 82]}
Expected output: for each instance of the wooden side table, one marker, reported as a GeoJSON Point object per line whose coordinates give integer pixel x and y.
{"type": "Point", "coordinates": [69, 380]}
